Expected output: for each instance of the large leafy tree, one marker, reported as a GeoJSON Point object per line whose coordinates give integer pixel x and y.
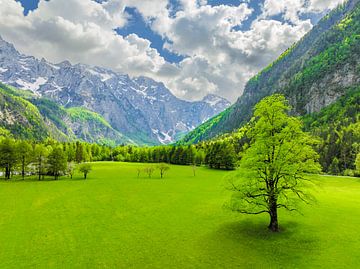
{"type": "Point", "coordinates": [273, 169]}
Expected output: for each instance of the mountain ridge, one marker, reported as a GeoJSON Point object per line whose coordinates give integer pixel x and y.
{"type": "Point", "coordinates": [140, 108]}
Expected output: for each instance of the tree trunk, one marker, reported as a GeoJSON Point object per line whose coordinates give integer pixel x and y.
{"type": "Point", "coordinates": [274, 225]}
{"type": "Point", "coordinates": [7, 172]}
{"type": "Point", "coordinates": [23, 168]}
{"type": "Point", "coordinates": [39, 170]}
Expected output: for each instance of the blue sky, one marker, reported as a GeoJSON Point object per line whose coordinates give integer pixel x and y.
{"type": "Point", "coordinates": [195, 47]}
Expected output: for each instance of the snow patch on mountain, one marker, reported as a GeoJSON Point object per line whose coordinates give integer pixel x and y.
{"type": "Point", "coordinates": [34, 87]}
{"type": "Point", "coordinates": [140, 108]}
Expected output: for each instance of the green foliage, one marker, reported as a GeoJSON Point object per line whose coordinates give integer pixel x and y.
{"type": "Point", "coordinates": [57, 162]}
{"type": "Point", "coordinates": [274, 166]}
{"type": "Point", "coordinates": [338, 127]}
{"type": "Point", "coordinates": [85, 168]}
{"type": "Point", "coordinates": [162, 167]}
{"type": "Point", "coordinates": [8, 156]}
{"type": "Point", "coordinates": [357, 164]}
{"type": "Point", "coordinates": [82, 115]}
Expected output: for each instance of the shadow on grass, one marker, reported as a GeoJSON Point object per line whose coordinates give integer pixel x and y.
{"type": "Point", "coordinates": [257, 230]}
{"type": "Point", "coordinates": [252, 244]}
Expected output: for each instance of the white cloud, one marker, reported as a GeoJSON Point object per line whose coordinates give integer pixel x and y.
{"type": "Point", "coordinates": [80, 31]}
{"type": "Point", "coordinates": [321, 5]}
{"type": "Point", "coordinates": [220, 58]}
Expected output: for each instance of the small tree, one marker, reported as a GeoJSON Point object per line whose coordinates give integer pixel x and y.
{"type": "Point", "coordinates": [272, 170]}
{"type": "Point", "coordinates": [163, 168]}
{"type": "Point", "coordinates": [138, 171]}
{"type": "Point", "coordinates": [70, 169]}
{"type": "Point", "coordinates": [194, 169]}
{"type": "Point", "coordinates": [57, 162]}
{"type": "Point", "coordinates": [85, 168]}
{"type": "Point", "coordinates": [149, 170]}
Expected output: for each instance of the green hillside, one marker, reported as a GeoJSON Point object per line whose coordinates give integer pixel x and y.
{"type": "Point", "coordinates": [29, 117]}
{"type": "Point", "coordinates": [23, 119]}
{"type": "Point", "coordinates": [338, 127]}
{"type": "Point", "coordinates": [312, 74]}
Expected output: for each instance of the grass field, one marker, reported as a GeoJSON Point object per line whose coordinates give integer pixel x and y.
{"type": "Point", "coordinates": [116, 220]}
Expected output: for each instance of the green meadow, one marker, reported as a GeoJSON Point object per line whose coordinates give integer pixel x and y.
{"type": "Point", "coordinates": [116, 220]}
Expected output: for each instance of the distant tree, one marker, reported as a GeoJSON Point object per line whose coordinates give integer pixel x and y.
{"type": "Point", "coordinates": [85, 168]}
{"type": "Point", "coordinates": [40, 154]}
{"type": "Point", "coordinates": [24, 151]}
{"type": "Point", "coordinates": [8, 156]}
{"type": "Point", "coordinates": [272, 170]}
{"type": "Point", "coordinates": [221, 155]}
{"type": "Point", "coordinates": [139, 169]}
{"type": "Point", "coordinates": [199, 157]}
{"type": "Point", "coordinates": [71, 152]}
{"type": "Point", "coordinates": [70, 169]}
{"type": "Point", "coordinates": [163, 168]}
{"type": "Point", "coordinates": [80, 152]}
{"type": "Point", "coordinates": [334, 167]}
{"type": "Point", "coordinates": [149, 170]}
{"type": "Point", "coordinates": [357, 164]}
{"type": "Point", "coordinates": [57, 162]}
{"type": "Point", "coordinates": [193, 167]}
{"type": "Point", "coordinates": [228, 159]}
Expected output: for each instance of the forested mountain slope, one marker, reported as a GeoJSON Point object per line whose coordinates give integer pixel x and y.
{"type": "Point", "coordinates": [29, 117]}
{"type": "Point", "coordinates": [312, 74]}
{"type": "Point", "coordinates": [338, 127]}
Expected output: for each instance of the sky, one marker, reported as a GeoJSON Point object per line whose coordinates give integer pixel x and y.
{"type": "Point", "coordinates": [195, 47]}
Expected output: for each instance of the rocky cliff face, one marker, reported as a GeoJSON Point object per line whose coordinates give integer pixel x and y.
{"type": "Point", "coordinates": [140, 108]}
{"type": "Point", "coordinates": [312, 74]}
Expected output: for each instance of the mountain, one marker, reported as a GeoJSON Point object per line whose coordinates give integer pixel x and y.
{"type": "Point", "coordinates": [139, 108]}
{"type": "Point", "coordinates": [312, 74]}
{"type": "Point", "coordinates": [29, 117]}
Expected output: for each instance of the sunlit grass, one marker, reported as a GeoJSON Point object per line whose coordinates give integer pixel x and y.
{"type": "Point", "coordinates": [116, 220]}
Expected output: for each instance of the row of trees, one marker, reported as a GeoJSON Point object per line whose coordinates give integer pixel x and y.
{"type": "Point", "coordinates": [149, 170]}
{"type": "Point", "coordinates": [48, 158]}
{"type": "Point", "coordinates": [218, 154]}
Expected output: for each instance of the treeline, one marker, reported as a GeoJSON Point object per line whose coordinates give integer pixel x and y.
{"type": "Point", "coordinates": [337, 129]}
{"type": "Point", "coordinates": [49, 158]}
{"type": "Point", "coordinates": [53, 158]}
{"type": "Point", "coordinates": [215, 154]}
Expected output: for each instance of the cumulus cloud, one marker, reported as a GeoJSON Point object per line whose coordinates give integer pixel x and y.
{"type": "Point", "coordinates": [219, 56]}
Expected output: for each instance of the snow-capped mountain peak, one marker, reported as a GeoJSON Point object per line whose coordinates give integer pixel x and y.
{"type": "Point", "coordinates": [133, 106]}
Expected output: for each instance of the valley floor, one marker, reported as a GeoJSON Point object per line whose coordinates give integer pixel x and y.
{"type": "Point", "coordinates": [116, 220]}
